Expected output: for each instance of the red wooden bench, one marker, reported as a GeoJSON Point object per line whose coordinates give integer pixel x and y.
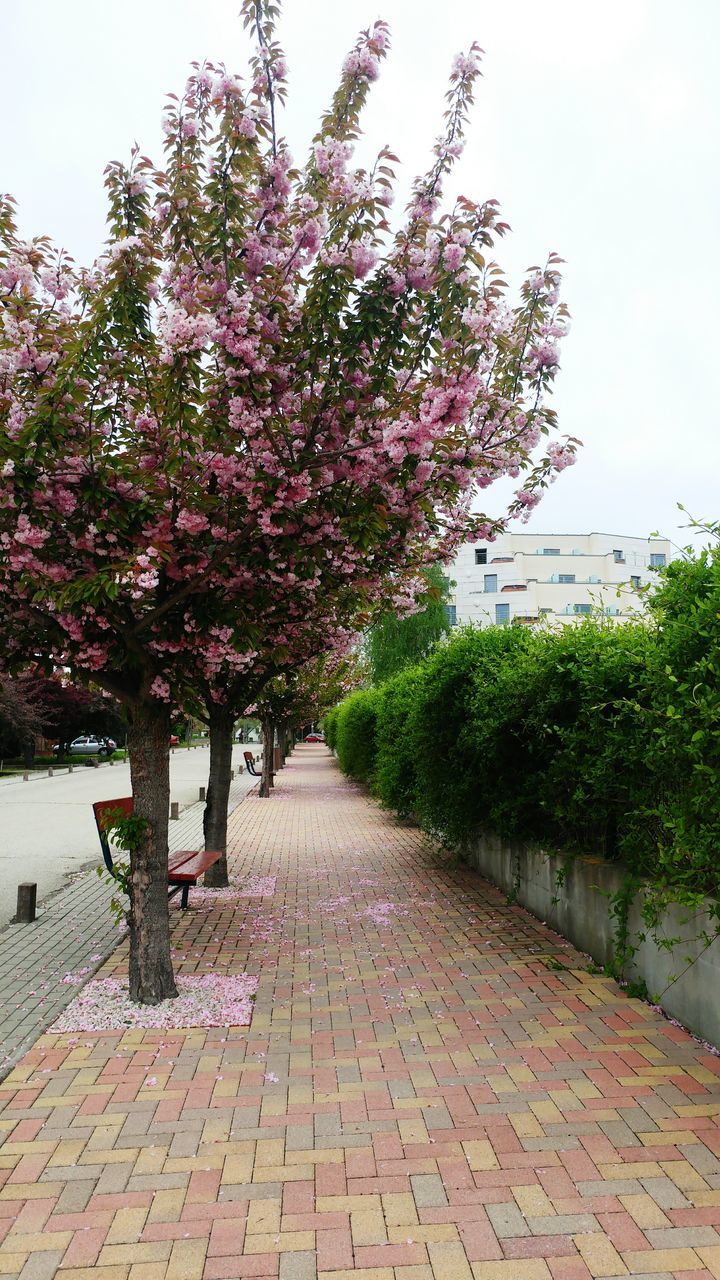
{"type": "Point", "coordinates": [185, 866]}
{"type": "Point", "coordinates": [249, 759]}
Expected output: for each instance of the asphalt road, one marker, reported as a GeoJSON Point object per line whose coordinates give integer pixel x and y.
{"type": "Point", "coordinates": [47, 828]}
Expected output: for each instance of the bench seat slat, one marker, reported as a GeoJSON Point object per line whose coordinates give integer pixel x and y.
{"type": "Point", "coordinates": [193, 866]}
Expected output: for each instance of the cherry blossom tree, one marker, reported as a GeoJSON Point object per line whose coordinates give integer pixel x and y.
{"type": "Point", "coordinates": [260, 389]}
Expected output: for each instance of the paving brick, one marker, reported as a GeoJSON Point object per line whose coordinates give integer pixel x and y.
{"type": "Point", "coordinates": [507, 1220]}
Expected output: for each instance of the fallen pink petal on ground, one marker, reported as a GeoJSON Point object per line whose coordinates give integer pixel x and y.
{"type": "Point", "coordinates": [211, 1000]}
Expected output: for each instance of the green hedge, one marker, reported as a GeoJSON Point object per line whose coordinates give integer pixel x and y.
{"type": "Point", "coordinates": [598, 738]}
{"type": "Point", "coordinates": [355, 734]}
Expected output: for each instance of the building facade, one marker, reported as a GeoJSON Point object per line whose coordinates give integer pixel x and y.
{"type": "Point", "coordinates": [556, 578]}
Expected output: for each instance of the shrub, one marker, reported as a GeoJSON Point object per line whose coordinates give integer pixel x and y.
{"type": "Point", "coordinates": [395, 779]}
{"type": "Point", "coordinates": [451, 765]}
{"type": "Point", "coordinates": [329, 726]}
{"type": "Point", "coordinates": [684, 745]}
{"type": "Point", "coordinates": [355, 734]}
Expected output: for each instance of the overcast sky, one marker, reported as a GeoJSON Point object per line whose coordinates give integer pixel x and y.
{"type": "Point", "coordinates": [596, 127]}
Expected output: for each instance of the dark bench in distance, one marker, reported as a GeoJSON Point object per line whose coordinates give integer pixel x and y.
{"type": "Point", "coordinates": [185, 866]}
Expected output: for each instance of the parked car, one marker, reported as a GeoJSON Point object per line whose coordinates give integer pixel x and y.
{"type": "Point", "coordinates": [86, 746]}
{"type": "Point", "coordinates": [314, 737]}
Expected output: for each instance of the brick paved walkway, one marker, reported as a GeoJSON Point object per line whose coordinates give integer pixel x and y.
{"type": "Point", "coordinates": [432, 1086]}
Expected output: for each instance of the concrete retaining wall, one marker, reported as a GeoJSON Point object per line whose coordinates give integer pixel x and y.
{"type": "Point", "coordinates": [579, 909]}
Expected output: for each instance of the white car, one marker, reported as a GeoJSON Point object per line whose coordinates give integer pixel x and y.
{"type": "Point", "coordinates": [86, 746]}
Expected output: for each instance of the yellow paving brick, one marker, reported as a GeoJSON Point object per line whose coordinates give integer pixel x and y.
{"type": "Point", "coordinates": [299, 1095]}
{"type": "Point", "coordinates": [146, 1251]}
{"type": "Point", "coordinates": [237, 1169]}
{"type": "Point", "coordinates": [546, 1112]}
{"type": "Point", "coordinates": [273, 1106]}
{"type": "Point", "coordinates": [423, 1234]}
{"type": "Point", "coordinates": [421, 1271]}
{"type": "Point", "coordinates": [600, 1256]}
{"type": "Point", "coordinates": [360, 1273]}
{"type": "Point", "coordinates": [280, 1242]}
{"type": "Point", "coordinates": [399, 1209]}
{"type": "Point", "coordinates": [16, 1149]}
{"type": "Point", "coordinates": [115, 1272]}
{"type": "Point", "coordinates": [449, 1261]}
{"type": "Point", "coordinates": [150, 1160]}
{"type": "Point", "coordinates": [36, 1241]}
{"type": "Point", "coordinates": [710, 1257]}
{"type": "Point", "coordinates": [167, 1205]}
{"type": "Point", "coordinates": [12, 1262]}
{"type": "Point", "coordinates": [188, 1164]}
{"type": "Point", "coordinates": [187, 1260]}
{"type": "Point", "coordinates": [525, 1124]}
{"type": "Point", "coordinates": [699, 1109]}
{"type": "Point", "coordinates": [412, 1130]}
{"type": "Point", "coordinates": [325, 1155]}
{"type": "Point", "coordinates": [283, 1173]}
{"type": "Point", "coordinates": [127, 1226]}
{"type": "Point", "coordinates": [644, 1210]}
{"type": "Point", "coordinates": [533, 1202]}
{"type": "Point", "coordinates": [706, 1199]}
{"type": "Point", "coordinates": [225, 1088]}
{"type": "Point", "coordinates": [121, 1156]}
{"type": "Point", "coordinates": [683, 1175]}
{"type": "Point", "coordinates": [269, 1151]}
{"type": "Point", "coordinates": [348, 1204]}
{"type": "Point", "coordinates": [24, 1191]}
{"type": "Point", "coordinates": [641, 1262]}
{"type": "Point", "coordinates": [501, 1084]}
{"type": "Point", "coordinates": [368, 1227]}
{"type": "Point", "coordinates": [521, 1075]}
{"type": "Point", "coordinates": [668, 1138]}
{"type": "Point", "coordinates": [263, 1217]}
{"type": "Point", "coordinates": [584, 1089]}
{"type": "Point", "coordinates": [138, 1271]}
{"type": "Point", "coordinates": [480, 1155]}
{"type": "Point", "coordinates": [527, 1269]}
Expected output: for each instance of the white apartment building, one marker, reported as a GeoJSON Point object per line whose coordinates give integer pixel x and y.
{"type": "Point", "coordinates": [531, 577]}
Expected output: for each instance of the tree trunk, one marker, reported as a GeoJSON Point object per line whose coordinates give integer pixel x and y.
{"type": "Point", "coordinates": [266, 781]}
{"type": "Point", "coordinates": [215, 817]}
{"type": "Point", "coordinates": [282, 742]}
{"type": "Point", "coordinates": [151, 973]}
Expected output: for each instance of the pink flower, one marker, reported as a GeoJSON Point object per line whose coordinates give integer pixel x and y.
{"type": "Point", "coordinates": [192, 522]}
{"type": "Point", "coordinates": [160, 689]}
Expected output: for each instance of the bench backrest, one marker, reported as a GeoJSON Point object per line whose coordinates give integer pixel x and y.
{"type": "Point", "coordinates": [106, 813]}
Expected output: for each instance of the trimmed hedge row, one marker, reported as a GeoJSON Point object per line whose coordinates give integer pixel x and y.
{"type": "Point", "coordinates": [597, 738]}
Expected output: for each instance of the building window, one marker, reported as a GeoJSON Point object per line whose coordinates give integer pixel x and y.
{"type": "Point", "coordinates": [657, 559]}
{"type": "Point", "coordinates": [566, 577]}
{"type": "Point", "coordinates": [481, 555]}
{"type": "Point", "coordinates": [582, 608]}
{"type": "Point", "coordinates": [451, 611]}
{"type": "Point", "coordinates": [551, 551]}
{"type": "Point", "coordinates": [546, 610]}
{"type": "Point", "coordinates": [635, 580]}
{"type": "Point", "coordinates": [618, 556]}
{"type": "Point", "coordinates": [502, 613]}
{"type": "Point", "coordinates": [491, 582]}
